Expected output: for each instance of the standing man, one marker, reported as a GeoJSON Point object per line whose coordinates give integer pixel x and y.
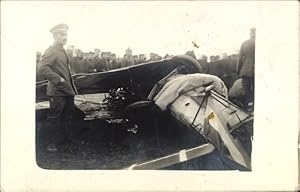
{"type": "Point", "coordinates": [81, 62]}
{"type": "Point", "coordinates": [91, 63]}
{"type": "Point", "coordinates": [75, 68]}
{"type": "Point", "coordinates": [55, 67]}
{"type": "Point", "coordinates": [38, 63]}
{"type": "Point", "coordinates": [246, 66]}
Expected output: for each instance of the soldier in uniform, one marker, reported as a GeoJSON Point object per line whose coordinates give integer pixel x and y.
{"type": "Point", "coordinates": [81, 62]}
{"type": "Point", "coordinates": [90, 61]}
{"type": "Point", "coordinates": [244, 87]}
{"type": "Point", "coordinates": [96, 59]}
{"type": "Point", "coordinates": [100, 65]}
{"type": "Point", "coordinates": [246, 67]}
{"type": "Point", "coordinates": [55, 67]}
{"type": "Point", "coordinates": [85, 62]}
{"type": "Point", "coordinates": [38, 63]}
{"type": "Point", "coordinates": [75, 68]}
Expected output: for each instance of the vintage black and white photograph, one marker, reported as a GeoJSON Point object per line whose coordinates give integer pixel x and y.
{"type": "Point", "coordinates": [146, 88]}
{"type": "Point", "coordinates": [149, 96]}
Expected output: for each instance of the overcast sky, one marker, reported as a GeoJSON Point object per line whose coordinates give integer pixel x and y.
{"type": "Point", "coordinates": [160, 27]}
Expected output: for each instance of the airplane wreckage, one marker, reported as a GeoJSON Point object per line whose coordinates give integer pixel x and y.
{"type": "Point", "coordinates": [177, 87]}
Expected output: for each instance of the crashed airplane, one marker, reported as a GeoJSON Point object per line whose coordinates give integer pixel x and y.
{"type": "Point", "coordinates": [177, 87]}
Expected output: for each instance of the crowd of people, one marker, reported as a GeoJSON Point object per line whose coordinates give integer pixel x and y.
{"type": "Point", "coordinates": [225, 66]}
{"type": "Point", "coordinates": [96, 61]}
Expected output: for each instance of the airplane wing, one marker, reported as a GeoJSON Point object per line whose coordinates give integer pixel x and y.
{"type": "Point", "coordinates": [140, 78]}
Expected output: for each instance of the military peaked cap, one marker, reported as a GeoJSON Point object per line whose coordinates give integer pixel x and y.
{"type": "Point", "coordinates": [59, 28]}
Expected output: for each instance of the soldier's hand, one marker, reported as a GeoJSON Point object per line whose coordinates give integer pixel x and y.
{"type": "Point", "coordinates": [61, 82]}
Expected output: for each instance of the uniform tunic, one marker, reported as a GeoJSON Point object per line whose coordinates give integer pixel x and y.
{"type": "Point", "coordinates": [55, 65]}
